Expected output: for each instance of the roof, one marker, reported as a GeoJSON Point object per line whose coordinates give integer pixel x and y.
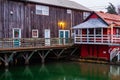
{"type": "Point", "coordinates": [109, 18]}
{"type": "Point", "coordinates": [61, 3]}
{"type": "Point", "coordinates": [91, 23]}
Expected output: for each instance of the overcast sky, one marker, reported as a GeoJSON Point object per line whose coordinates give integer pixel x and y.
{"type": "Point", "coordinates": [98, 5]}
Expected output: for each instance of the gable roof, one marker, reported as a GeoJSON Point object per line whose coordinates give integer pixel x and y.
{"type": "Point", "coordinates": [109, 18]}
{"type": "Point", "coordinates": [61, 3]}
{"type": "Point", "coordinates": [91, 23]}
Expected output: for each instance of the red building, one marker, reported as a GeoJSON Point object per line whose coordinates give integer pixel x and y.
{"type": "Point", "coordinates": [99, 36]}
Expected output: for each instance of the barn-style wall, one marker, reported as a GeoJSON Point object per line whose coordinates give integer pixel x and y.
{"type": "Point", "coordinates": [14, 14]}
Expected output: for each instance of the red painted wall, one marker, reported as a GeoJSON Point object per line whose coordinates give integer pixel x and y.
{"type": "Point", "coordinates": [97, 51]}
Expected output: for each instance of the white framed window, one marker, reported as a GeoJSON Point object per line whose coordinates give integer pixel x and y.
{"type": "Point", "coordinates": [35, 33]}
{"type": "Point", "coordinates": [42, 10]}
{"type": "Point", "coordinates": [85, 15]}
{"type": "Point", "coordinates": [69, 11]}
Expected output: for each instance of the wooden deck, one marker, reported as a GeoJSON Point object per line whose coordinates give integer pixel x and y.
{"type": "Point", "coordinates": [30, 44]}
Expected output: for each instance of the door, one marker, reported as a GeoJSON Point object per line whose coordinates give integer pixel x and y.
{"type": "Point", "coordinates": [16, 36]}
{"type": "Point", "coordinates": [47, 37]}
{"type": "Point", "coordinates": [64, 36]}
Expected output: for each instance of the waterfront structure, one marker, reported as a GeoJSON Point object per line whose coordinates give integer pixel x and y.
{"type": "Point", "coordinates": [99, 36]}
{"type": "Point", "coordinates": [37, 26]}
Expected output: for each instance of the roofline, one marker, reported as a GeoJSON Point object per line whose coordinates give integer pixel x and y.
{"type": "Point", "coordinates": [97, 15]}
{"type": "Point", "coordinates": [50, 5]}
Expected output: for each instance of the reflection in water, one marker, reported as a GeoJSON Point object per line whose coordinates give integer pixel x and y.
{"type": "Point", "coordinates": [115, 72]}
{"type": "Point", "coordinates": [62, 71]}
{"type": "Point", "coordinates": [6, 75]}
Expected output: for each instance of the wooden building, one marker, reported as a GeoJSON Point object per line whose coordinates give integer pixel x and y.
{"type": "Point", "coordinates": [99, 36]}
{"type": "Point", "coordinates": [37, 26]}
{"type": "Point", "coordinates": [39, 18]}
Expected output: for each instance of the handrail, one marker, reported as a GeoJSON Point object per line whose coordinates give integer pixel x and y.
{"type": "Point", "coordinates": [105, 39]}
{"type": "Point", "coordinates": [33, 42]}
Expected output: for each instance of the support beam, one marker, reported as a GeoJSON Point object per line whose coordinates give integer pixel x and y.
{"type": "Point", "coordinates": [28, 57]}
{"type": "Point", "coordinates": [73, 51]}
{"type": "Point", "coordinates": [59, 53]}
{"type": "Point", "coordinates": [7, 59]}
{"type": "Point", "coordinates": [43, 55]}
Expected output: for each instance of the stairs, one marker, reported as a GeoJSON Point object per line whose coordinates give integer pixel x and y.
{"type": "Point", "coordinates": [115, 55]}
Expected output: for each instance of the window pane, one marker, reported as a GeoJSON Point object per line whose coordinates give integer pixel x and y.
{"type": "Point", "coordinates": [42, 10]}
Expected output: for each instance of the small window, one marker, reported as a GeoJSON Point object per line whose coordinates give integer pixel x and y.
{"type": "Point", "coordinates": [69, 11]}
{"type": "Point", "coordinates": [42, 10]}
{"type": "Point", "coordinates": [118, 32]}
{"type": "Point", "coordinates": [85, 15]}
{"type": "Point", "coordinates": [35, 33]}
{"type": "Point", "coordinates": [98, 32]}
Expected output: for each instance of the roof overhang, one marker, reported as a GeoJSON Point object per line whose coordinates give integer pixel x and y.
{"type": "Point", "coordinates": [91, 23]}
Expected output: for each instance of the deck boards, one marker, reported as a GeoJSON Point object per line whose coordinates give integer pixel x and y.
{"type": "Point", "coordinates": [34, 48]}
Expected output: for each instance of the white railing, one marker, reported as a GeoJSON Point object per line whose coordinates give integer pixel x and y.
{"type": "Point", "coordinates": [33, 42]}
{"type": "Point", "coordinates": [97, 39]}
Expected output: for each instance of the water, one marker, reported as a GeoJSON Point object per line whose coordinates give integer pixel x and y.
{"type": "Point", "coordinates": [62, 71]}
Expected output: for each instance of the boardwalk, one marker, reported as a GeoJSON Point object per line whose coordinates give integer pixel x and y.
{"type": "Point", "coordinates": [26, 48]}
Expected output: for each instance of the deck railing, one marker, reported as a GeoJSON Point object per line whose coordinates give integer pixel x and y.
{"type": "Point", "coordinates": [33, 42]}
{"type": "Point", "coordinates": [97, 39]}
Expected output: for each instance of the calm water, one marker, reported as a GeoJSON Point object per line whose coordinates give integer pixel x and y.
{"type": "Point", "coordinates": [62, 71]}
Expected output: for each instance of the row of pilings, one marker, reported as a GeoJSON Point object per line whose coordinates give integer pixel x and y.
{"type": "Point", "coordinates": [14, 57]}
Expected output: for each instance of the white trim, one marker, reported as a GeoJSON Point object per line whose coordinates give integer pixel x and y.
{"type": "Point", "coordinates": [19, 32]}
{"type": "Point", "coordinates": [33, 36]}
{"type": "Point", "coordinates": [64, 34]}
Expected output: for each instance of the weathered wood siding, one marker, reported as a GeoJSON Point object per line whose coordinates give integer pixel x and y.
{"type": "Point", "coordinates": [24, 17]}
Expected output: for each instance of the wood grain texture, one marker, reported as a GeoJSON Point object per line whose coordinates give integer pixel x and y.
{"type": "Point", "coordinates": [16, 14]}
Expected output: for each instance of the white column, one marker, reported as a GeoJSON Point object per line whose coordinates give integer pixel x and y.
{"type": "Point", "coordinates": [102, 34]}
{"type": "Point", "coordinates": [81, 35]}
{"type": "Point", "coordinates": [78, 32]}
{"type": "Point", "coordinates": [74, 36]}
{"type": "Point", "coordinates": [94, 35]}
{"type": "Point", "coordinates": [87, 35]}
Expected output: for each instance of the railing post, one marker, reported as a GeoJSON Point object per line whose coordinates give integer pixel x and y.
{"type": "Point", "coordinates": [102, 34]}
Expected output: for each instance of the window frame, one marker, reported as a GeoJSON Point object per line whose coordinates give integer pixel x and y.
{"type": "Point", "coordinates": [36, 33]}
{"type": "Point", "coordinates": [42, 10]}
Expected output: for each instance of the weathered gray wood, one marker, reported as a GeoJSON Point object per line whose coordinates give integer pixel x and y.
{"type": "Point", "coordinates": [15, 14]}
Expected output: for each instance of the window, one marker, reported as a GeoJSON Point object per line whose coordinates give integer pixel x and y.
{"type": "Point", "coordinates": [98, 31]}
{"type": "Point", "coordinates": [118, 32]}
{"type": "Point", "coordinates": [85, 15]}
{"type": "Point", "coordinates": [69, 11]}
{"type": "Point", "coordinates": [42, 10]}
{"type": "Point", "coordinates": [35, 33]}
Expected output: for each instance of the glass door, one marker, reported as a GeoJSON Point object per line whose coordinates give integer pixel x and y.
{"type": "Point", "coordinates": [47, 37]}
{"type": "Point", "coordinates": [16, 36]}
{"type": "Point", "coordinates": [64, 36]}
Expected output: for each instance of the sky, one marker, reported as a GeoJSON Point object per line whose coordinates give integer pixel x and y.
{"type": "Point", "coordinates": [98, 5]}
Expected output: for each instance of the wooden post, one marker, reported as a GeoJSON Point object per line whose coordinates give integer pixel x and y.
{"type": "Point", "coordinates": [28, 57]}
{"type": "Point", "coordinates": [111, 26]}
{"type": "Point", "coordinates": [6, 60]}
{"type": "Point", "coordinates": [43, 55]}
{"type": "Point", "coordinates": [102, 34]}
{"type": "Point", "coordinates": [94, 35]}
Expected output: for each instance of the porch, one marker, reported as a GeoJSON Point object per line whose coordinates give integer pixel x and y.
{"type": "Point", "coordinates": [11, 49]}
{"type": "Point", "coordinates": [101, 39]}
{"type": "Point", "coordinates": [28, 43]}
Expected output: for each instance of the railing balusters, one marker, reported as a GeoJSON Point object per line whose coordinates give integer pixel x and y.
{"type": "Point", "coordinates": [33, 42]}
{"type": "Point", "coordinates": [104, 39]}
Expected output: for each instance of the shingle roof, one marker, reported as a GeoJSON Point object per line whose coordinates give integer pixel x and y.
{"type": "Point", "coordinates": [91, 23]}
{"type": "Point", "coordinates": [109, 18]}
{"type": "Point", "coordinates": [62, 3]}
